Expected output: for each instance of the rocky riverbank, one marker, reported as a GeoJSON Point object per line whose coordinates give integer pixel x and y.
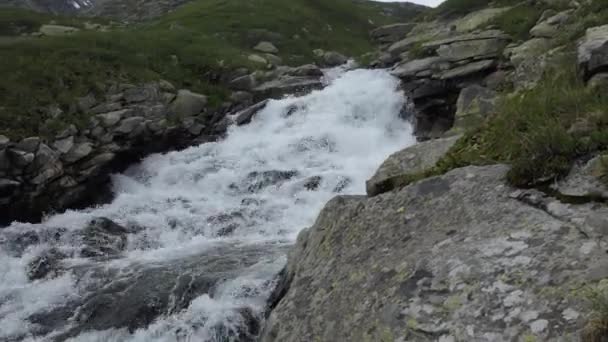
{"type": "Point", "coordinates": [41, 175]}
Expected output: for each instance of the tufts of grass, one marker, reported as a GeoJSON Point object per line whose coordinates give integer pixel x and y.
{"type": "Point", "coordinates": [531, 130]}
{"type": "Point", "coordinates": [594, 13]}
{"type": "Point", "coordinates": [596, 329]}
{"type": "Point", "coordinates": [518, 20]}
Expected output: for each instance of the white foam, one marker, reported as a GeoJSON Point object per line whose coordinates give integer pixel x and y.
{"type": "Point", "coordinates": [342, 132]}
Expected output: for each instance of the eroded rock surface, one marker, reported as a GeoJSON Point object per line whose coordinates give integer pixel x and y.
{"type": "Point", "coordinates": [460, 257]}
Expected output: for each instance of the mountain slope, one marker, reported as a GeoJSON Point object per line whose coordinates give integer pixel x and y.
{"type": "Point", "coordinates": [195, 47]}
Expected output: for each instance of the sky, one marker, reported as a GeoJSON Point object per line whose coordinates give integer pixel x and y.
{"type": "Point", "coordinates": [432, 3]}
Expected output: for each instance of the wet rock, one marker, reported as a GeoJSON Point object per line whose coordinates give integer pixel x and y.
{"type": "Point", "coordinates": [312, 183]}
{"type": "Point", "coordinates": [102, 238]}
{"type": "Point", "coordinates": [452, 255]}
{"type": "Point", "coordinates": [188, 103]}
{"type": "Point", "coordinates": [406, 163]}
{"type": "Point", "coordinates": [258, 180]}
{"type": "Point", "coordinates": [135, 296]}
{"type": "Point", "coordinates": [244, 117]}
{"type": "Point", "coordinates": [391, 33]}
{"type": "Point", "coordinates": [46, 265]}
{"type": "Point", "coordinates": [342, 184]}
{"type": "Point", "coordinates": [266, 47]}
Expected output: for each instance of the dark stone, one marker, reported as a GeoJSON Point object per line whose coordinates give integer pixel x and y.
{"type": "Point", "coordinates": [103, 237]}
{"type": "Point", "coordinates": [45, 265]}
{"type": "Point", "coordinates": [244, 117]}
{"type": "Point", "coordinates": [313, 183]}
{"type": "Point", "coordinates": [258, 180]}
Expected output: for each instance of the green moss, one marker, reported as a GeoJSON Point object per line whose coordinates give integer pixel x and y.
{"type": "Point", "coordinates": [596, 329]}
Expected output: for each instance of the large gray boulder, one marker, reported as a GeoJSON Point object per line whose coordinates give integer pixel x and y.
{"type": "Point", "coordinates": [593, 51]}
{"type": "Point", "coordinates": [188, 103]}
{"type": "Point", "coordinates": [407, 163]}
{"type": "Point", "coordinates": [460, 257]}
{"type": "Point", "coordinates": [246, 115]}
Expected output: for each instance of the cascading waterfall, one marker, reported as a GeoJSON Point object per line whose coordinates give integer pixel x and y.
{"type": "Point", "coordinates": [206, 229]}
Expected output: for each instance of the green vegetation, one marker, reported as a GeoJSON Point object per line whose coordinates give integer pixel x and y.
{"type": "Point", "coordinates": [592, 14]}
{"type": "Point", "coordinates": [15, 21]}
{"type": "Point", "coordinates": [462, 7]}
{"type": "Point", "coordinates": [596, 329]}
{"type": "Point", "coordinates": [189, 47]}
{"type": "Point", "coordinates": [539, 132]}
{"type": "Point", "coordinates": [518, 20]}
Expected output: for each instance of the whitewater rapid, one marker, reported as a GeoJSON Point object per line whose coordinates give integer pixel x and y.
{"type": "Point", "coordinates": [243, 199]}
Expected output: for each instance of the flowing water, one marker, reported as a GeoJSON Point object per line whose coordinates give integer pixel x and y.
{"type": "Point", "coordinates": [206, 229]}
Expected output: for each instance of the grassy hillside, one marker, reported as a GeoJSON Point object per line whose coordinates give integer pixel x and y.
{"type": "Point", "coordinates": [188, 47]}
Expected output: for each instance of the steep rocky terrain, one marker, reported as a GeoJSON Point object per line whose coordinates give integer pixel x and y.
{"type": "Point", "coordinates": [451, 244]}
